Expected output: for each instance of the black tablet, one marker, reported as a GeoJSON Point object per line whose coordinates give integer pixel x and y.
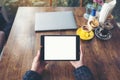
{"type": "Point", "coordinates": [60, 47]}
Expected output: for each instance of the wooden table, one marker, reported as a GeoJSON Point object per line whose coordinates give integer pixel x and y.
{"type": "Point", "coordinates": [102, 57]}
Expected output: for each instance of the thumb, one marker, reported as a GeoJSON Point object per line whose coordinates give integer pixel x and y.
{"type": "Point", "coordinates": [38, 55]}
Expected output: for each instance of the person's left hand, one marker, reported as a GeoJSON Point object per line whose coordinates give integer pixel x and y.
{"type": "Point", "coordinates": [37, 65]}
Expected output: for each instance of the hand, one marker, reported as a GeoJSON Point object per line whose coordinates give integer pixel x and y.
{"type": "Point", "coordinates": [79, 63]}
{"type": "Point", "coordinates": [38, 66]}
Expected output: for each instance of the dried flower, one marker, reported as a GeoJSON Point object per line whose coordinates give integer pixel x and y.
{"type": "Point", "coordinates": [100, 2]}
{"type": "Point", "coordinates": [96, 3]}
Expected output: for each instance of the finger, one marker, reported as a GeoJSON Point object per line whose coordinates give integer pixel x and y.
{"type": "Point", "coordinates": [80, 49]}
{"type": "Point", "coordinates": [81, 57]}
{"type": "Point", "coordinates": [38, 55]}
{"type": "Point", "coordinates": [43, 63]}
{"type": "Point", "coordinates": [81, 53]}
{"type": "Point", "coordinates": [71, 62]}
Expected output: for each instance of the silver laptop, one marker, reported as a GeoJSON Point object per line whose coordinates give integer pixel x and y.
{"type": "Point", "coordinates": [46, 21]}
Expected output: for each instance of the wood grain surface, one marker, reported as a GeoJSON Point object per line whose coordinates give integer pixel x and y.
{"type": "Point", "coordinates": [102, 57]}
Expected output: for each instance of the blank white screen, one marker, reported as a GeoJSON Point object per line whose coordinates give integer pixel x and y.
{"type": "Point", "coordinates": [60, 48]}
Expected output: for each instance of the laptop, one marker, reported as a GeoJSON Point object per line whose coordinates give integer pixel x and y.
{"type": "Point", "coordinates": [46, 21]}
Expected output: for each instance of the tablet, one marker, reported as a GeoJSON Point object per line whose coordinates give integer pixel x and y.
{"type": "Point", "coordinates": [60, 47]}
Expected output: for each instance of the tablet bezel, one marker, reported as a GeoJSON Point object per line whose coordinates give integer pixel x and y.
{"type": "Point", "coordinates": [77, 47]}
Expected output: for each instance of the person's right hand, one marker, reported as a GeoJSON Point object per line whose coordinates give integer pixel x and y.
{"type": "Point", "coordinates": [79, 63]}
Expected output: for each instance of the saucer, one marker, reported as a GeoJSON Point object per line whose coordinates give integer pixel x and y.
{"type": "Point", "coordinates": [83, 36]}
{"type": "Point", "coordinates": [102, 37]}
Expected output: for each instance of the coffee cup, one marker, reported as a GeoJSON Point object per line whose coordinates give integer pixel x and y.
{"type": "Point", "coordinates": [85, 31]}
